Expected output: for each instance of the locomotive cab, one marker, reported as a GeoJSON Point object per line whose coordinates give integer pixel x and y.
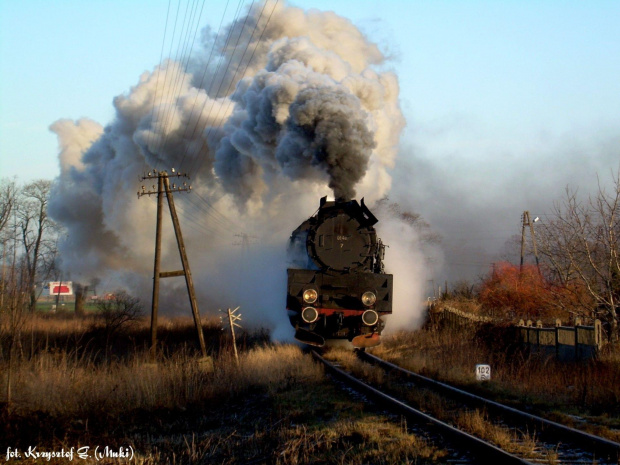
{"type": "Point", "coordinates": [338, 289]}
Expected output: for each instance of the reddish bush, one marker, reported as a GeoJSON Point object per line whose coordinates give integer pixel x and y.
{"type": "Point", "coordinates": [521, 291]}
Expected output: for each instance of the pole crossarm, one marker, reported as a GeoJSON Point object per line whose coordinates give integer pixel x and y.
{"type": "Point", "coordinates": [170, 274]}
{"type": "Point", "coordinates": [169, 189]}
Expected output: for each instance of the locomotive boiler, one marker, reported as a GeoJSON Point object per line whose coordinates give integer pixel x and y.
{"type": "Point", "coordinates": [337, 288]}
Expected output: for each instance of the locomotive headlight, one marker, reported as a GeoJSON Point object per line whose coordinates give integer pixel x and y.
{"type": "Point", "coordinates": [309, 314]}
{"type": "Point", "coordinates": [370, 317]}
{"type": "Point", "coordinates": [369, 298]}
{"type": "Point", "coordinates": [310, 296]}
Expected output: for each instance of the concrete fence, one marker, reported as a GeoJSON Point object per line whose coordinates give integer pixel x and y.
{"type": "Point", "coordinates": [454, 317]}
{"type": "Point", "coordinates": [564, 342]}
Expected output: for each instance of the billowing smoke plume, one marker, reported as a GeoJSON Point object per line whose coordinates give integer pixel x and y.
{"type": "Point", "coordinates": [291, 106]}
{"type": "Point", "coordinates": [412, 248]}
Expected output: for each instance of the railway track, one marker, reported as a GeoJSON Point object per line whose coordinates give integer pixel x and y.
{"type": "Point", "coordinates": [570, 446]}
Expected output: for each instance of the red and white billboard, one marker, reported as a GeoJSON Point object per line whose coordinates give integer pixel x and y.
{"type": "Point", "coordinates": [61, 288]}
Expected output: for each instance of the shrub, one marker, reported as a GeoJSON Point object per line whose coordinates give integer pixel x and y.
{"type": "Point", "coordinates": [523, 292]}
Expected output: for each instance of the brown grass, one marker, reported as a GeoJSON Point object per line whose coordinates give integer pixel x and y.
{"type": "Point", "coordinates": [275, 406]}
{"type": "Point", "coordinates": [52, 383]}
{"type": "Point", "coordinates": [70, 387]}
{"type": "Point", "coordinates": [472, 421]}
{"type": "Point", "coordinates": [590, 390]}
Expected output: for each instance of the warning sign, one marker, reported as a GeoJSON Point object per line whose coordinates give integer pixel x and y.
{"type": "Point", "coordinates": [61, 288]}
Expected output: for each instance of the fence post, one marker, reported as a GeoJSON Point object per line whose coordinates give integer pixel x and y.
{"type": "Point", "coordinates": [576, 329]}
{"type": "Point", "coordinates": [598, 334]}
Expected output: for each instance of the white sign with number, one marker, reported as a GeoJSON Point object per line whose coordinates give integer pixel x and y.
{"type": "Point", "coordinates": [483, 372]}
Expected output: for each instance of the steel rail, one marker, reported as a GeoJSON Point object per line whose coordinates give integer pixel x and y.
{"type": "Point", "coordinates": [600, 446]}
{"type": "Point", "coordinates": [486, 453]}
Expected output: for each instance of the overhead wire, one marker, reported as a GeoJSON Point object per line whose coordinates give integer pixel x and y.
{"type": "Point", "coordinates": [198, 223]}
{"type": "Point", "coordinates": [205, 206]}
{"type": "Point", "coordinates": [201, 84]}
{"type": "Point", "coordinates": [171, 85]}
{"type": "Point", "coordinates": [213, 228]}
{"type": "Point", "coordinates": [161, 100]}
{"type": "Point", "coordinates": [231, 81]}
{"type": "Point", "coordinates": [173, 89]}
{"type": "Point", "coordinates": [234, 79]}
{"type": "Point", "coordinates": [161, 58]}
{"type": "Point", "coordinates": [209, 91]}
{"type": "Point", "coordinates": [246, 65]}
{"type": "Point", "coordinates": [182, 58]}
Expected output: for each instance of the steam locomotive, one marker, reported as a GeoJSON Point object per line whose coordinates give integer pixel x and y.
{"type": "Point", "coordinates": [338, 288]}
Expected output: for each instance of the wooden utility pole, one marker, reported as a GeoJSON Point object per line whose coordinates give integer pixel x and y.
{"type": "Point", "coordinates": [526, 222]}
{"type": "Point", "coordinates": [232, 318]}
{"type": "Point", "coordinates": [157, 263]}
{"type": "Point", "coordinates": [163, 187]}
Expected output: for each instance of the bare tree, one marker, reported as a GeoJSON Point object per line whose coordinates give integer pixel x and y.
{"type": "Point", "coordinates": [38, 233]}
{"type": "Point", "coordinates": [7, 201]}
{"type": "Point", "coordinates": [7, 205]}
{"type": "Point", "coordinates": [580, 246]}
{"type": "Point", "coordinates": [117, 312]}
{"type": "Point", "coordinates": [12, 316]}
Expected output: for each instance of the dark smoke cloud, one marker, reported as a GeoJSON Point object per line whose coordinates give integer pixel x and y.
{"type": "Point", "coordinates": [326, 128]}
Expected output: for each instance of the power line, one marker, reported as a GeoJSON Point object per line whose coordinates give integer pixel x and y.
{"type": "Point", "coordinates": [200, 85]}
{"type": "Point", "coordinates": [172, 88]}
{"type": "Point", "coordinates": [212, 227]}
{"type": "Point", "coordinates": [209, 91]}
{"type": "Point", "coordinates": [161, 58]}
{"type": "Point", "coordinates": [186, 51]}
{"type": "Point", "coordinates": [219, 125]}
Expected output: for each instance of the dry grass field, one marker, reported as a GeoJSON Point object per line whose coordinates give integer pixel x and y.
{"type": "Point", "coordinates": [583, 394]}
{"type": "Point", "coordinates": [74, 386]}
{"type": "Point", "coordinates": [74, 383]}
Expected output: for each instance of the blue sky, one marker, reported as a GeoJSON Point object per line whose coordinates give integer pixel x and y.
{"type": "Point", "coordinates": [516, 68]}
{"type": "Point", "coordinates": [495, 93]}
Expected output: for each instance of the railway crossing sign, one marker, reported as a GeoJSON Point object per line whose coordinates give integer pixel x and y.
{"type": "Point", "coordinates": [483, 372]}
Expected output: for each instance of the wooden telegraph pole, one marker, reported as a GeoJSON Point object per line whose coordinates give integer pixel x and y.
{"type": "Point", "coordinates": [527, 222]}
{"type": "Point", "coordinates": [163, 187]}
